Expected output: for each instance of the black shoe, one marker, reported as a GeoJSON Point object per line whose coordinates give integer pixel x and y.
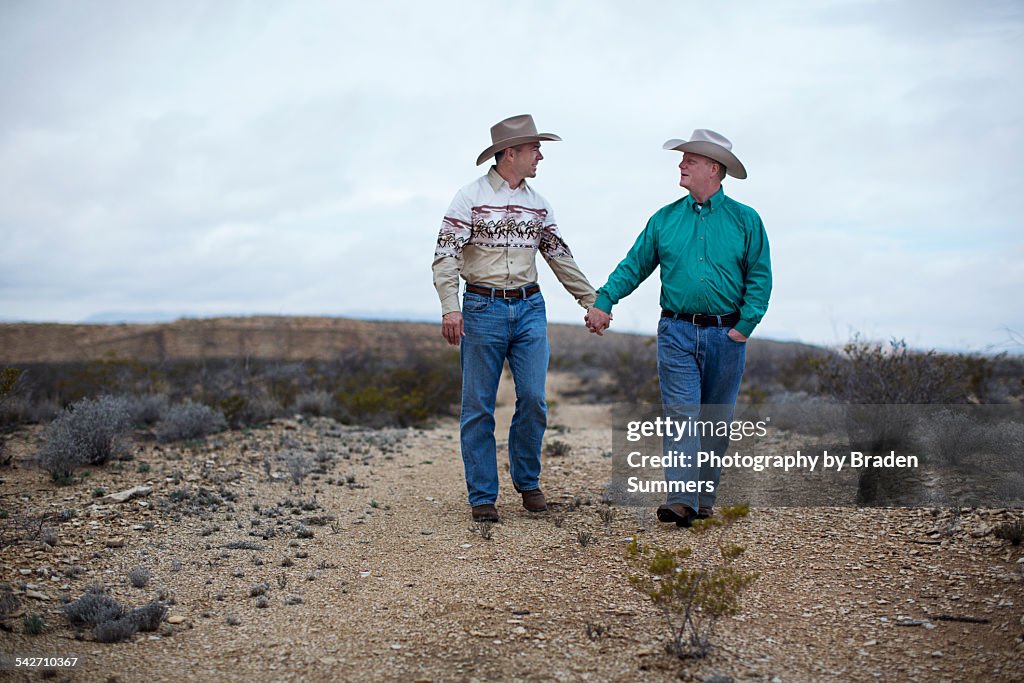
{"type": "Point", "coordinates": [678, 513]}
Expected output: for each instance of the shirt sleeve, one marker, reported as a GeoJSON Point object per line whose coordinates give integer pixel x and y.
{"type": "Point", "coordinates": [559, 258]}
{"type": "Point", "coordinates": [757, 279]}
{"type": "Point", "coordinates": [639, 263]}
{"type": "Point", "coordinates": [456, 231]}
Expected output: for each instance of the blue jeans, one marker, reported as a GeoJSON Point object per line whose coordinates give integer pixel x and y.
{"type": "Point", "coordinates": [497, 329]}
{"type": "Point", "coordinates": [699, 369]}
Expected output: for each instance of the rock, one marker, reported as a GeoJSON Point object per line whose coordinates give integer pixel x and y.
{"type": "Point", "coordinates": [176, 619]}
{"type": "Point", "coordinates": [115, 542]}
{"type": "Point", "coordinates": [426, 532]}
{"type": "Point", "coordinates": [128, 494]}
{"type": "Point", "coordinates": [36, 595]}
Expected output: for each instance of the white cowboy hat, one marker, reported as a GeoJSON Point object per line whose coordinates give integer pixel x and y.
{"type": "Point", "coordinates": [515, 130]}
{"type": "Point", "coordinates": [713, 145]}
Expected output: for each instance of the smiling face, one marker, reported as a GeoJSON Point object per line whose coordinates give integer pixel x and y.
{"type": "Point", "coordinates": [524, 159]}
{"type": "Point", "coordinates": [698, 174]}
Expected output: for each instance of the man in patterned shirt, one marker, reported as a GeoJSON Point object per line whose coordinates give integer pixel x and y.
{"type": "Point", "coordinates": [490, 236]}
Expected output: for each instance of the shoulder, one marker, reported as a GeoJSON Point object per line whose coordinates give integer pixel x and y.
{"type": "Point", "coordinates": [741, 211]}
{"type": "Point", "coordinates": [666, 212]}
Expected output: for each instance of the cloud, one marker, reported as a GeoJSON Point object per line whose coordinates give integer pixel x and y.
{"type": "Point", "coordinates": [298, 158]}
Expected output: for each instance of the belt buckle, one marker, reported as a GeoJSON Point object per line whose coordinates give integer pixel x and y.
{"type": "Point", "coordinates": [693, 320]}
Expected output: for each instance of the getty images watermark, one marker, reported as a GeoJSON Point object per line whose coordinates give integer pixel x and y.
{"type": "Point", "coordinates": [822, 454]}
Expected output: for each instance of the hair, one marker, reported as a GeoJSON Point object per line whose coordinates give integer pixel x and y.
{"type": "Point", "coordinates": [498, 156]}
{"type": "Point", "coordinates": [721, 170]}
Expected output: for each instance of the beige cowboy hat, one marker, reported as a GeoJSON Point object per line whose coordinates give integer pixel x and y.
{"type": "Point", "coordinates": [515, 130]}
{"type": "Point", "coordinates": [713, 145]}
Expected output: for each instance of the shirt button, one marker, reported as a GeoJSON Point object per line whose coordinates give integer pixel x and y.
{"type": "Point", "coordinates": [701, 237]}
{"type": "Point", "coordinates": [701, 258]}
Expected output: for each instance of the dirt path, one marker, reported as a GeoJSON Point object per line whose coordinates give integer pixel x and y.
{"type": "Point", "coordinates": [399, 586]}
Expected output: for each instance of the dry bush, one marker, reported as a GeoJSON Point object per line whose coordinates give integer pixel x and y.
{"type": "Point", "coordinates": [89, 432]}
{"type": "Point", "coordinates": [189, 420]}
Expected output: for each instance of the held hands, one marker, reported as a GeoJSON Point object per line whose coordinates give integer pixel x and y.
{"type": "Point", "coordinates": [451, 327]}
{"type": "Point", "coordinates": [597, 320]}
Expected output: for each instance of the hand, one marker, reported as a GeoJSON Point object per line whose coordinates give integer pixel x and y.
{"type": "Point", "coordinates": [597, 320]}
{"type": "Point", "coordinates": [736, 336]}
{"type": "Point", "coordinates": [452, 328]}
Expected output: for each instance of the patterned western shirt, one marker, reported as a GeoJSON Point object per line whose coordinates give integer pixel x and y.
{"type": "Point", "coordinates": [490, 236]}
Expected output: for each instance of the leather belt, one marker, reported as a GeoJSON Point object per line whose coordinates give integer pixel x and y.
{"type": "Point", "coordinates": [704, 320]}
{"type": "Point", "coordinates": [520, 293]}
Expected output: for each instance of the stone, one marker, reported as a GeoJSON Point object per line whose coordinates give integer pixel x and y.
{"type": "Point", "coordinates": [128, 494]}
{"type": "Point", "coordinates": [176, 619]}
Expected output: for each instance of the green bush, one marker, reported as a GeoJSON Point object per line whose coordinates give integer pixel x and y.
{"type": "Point", "coordinates": [692, 593]}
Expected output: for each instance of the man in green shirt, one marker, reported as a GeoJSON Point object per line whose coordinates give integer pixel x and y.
{"type": "Point", "coordinates": [715, 282]}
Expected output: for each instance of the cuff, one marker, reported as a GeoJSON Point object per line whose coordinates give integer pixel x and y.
{"type": "Point", "coordinates": [745, 327]}
{"type": "Point", "coordinates": [603, 302]}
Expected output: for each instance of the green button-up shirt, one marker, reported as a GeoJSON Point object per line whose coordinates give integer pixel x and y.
{"type": "Point", "coordinates": [713, 261]}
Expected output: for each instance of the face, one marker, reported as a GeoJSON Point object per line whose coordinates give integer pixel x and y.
{"type": "Point", "coordinates": [525, 158]}
{"type": "Point", "coordinates": [697, 172]}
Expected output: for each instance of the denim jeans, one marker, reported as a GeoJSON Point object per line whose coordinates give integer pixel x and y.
{"type": "Point", "coordinates": [497, 329]}
{"type": "Point", "coordinates": [699, 369]}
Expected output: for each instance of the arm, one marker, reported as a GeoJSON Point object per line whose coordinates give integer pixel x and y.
{"type": "Point", "coordinates": [640, 262]}
{"type": "Point", "coordinates": [757, 279]}
{"type": "Point", "coordinates": [556, 252]}
{"type": "Point", "coordinates": [456, 231]}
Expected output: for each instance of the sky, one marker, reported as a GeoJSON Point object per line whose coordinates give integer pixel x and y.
{"type": "Point", "coordinates": [213, 158]}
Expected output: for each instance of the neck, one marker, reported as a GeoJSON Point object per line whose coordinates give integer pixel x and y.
{"type": "Point", "coordinates": [702, 195]}
{"type": "Point", "coordinates": [512, 179]}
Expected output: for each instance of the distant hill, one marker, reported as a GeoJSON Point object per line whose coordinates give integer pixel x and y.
{"type": "Point", "coordinates": [285, 338]}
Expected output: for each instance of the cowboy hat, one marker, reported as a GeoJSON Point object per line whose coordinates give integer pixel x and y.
{"type": "Point", "coordinates": [713, 145]}
{"type": "Point", "coordinates": [515, 130]}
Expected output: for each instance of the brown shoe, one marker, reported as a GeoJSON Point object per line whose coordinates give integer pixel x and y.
{"type": "Point", "coordinates": [534, 501]}
{"type": "Point", "coordinates": [704, 513]}
{"type": "Point", "coordinates": [678, 513]}
{"type": "Point", "coordinates": [485, 513]}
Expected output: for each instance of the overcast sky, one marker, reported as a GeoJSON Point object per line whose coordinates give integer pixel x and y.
{"type": "Point", "coordinates": [297, 158]}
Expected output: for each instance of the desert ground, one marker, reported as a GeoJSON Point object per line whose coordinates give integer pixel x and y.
{"type": "Point", "coordinates": [375, 572]}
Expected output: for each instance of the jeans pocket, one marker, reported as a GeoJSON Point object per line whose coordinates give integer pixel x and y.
{"type": "Point", "coordinates": [475, 303]}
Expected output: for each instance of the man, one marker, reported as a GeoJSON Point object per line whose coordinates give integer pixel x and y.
{"type": "Point", "coordinates": [490, 236]}
{"type": "Point", "coordinates": [715, 282]}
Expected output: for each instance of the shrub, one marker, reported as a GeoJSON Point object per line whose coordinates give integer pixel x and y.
{"type": "Point", "coordinates": [557, 448]}
{"type": "Point", "coordinates": [139, 577]}
{"type": "Point", "coordinates": [34, 624]}
{"type": "Point", "coordinates": [317, 402]}
{"type": "Point", "coordinates": [189, 420]}
{"type": "Point", "coordinates": [692, 593]}
{"type": "Point", "coordinates": [93, 608]}
{"type": "Point", "coordinates": [299, 465]}
{"type": "Point", "coordinates": [88, 432]}
{"type": "Point", "coordinates": [147, 410]}
{"type": "Point", "coordinates": [871, 373]}
{"type": "Point", "coordinates": [115, 631]}
{"type": "Point", "coordinates": [1010, 531]}
{"type": "Point", "coordinates": [148, 618]}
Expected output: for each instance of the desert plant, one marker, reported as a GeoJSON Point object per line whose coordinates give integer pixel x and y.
{"type": "Point", "coordinates": [1010, 531]}
{"type": "Point", "coordinates": [299, 465]}
{"type": "Point", "coordinates": [93, 608]}
{"type": "Point", "coordinates": [189, 420]}
{"type": "Point", "coordinates": [692, 593]}
{"type": "Point", "coordinates": [315, 402]}
{"type": "Point", "coordinates": [139, 577]}
{"type": "Point", "coordinates": [88, 432]}
{"type": "Point", "coordinates": [584, 537]}
{"type": "Point", "coordinates": [557, 448]}
{"type": "Point", "coordinates": [148, 618]}
{"type": "Point", "coordinates": [33, 624]}
{"type": "Point", "coordinates": [146, 410]}
{"type": "Point", "coordinates": [115, 630]}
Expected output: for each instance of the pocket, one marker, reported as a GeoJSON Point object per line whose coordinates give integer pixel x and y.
{"type": "Point", "coordinates": [475, 303]}
{"type": "Point", "coordinates": [731, 340]}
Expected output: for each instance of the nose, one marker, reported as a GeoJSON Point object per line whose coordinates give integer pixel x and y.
{"type": "Point", "coordinates": [539, 155]}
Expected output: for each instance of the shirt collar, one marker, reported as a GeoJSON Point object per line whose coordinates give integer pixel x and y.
{"type": "Point", "coordinates": [496, 181]}
{"type": "Point", "coordinates": [710, 203]}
